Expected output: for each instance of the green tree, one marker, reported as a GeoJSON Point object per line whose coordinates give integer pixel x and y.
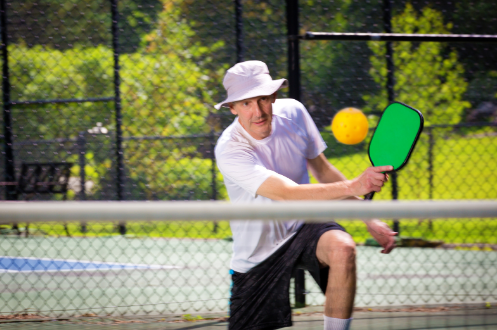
{"type": "Point", "coordinates": [164, 91]}
{"type": "Point", "coordinates": [40, 73]}
{"type": "Point", "coordinates": [334, 73]}
{"type": "Point", "coordinates": [167, 86]}
{"type": "Point", "coordinates": [426, 75]}
{"type": "Point", "coordinates": [65, 24]}
{"type": "Point", "coordinates": [172, 96]}
{"type": "Point", "coordinates": [477, 17]}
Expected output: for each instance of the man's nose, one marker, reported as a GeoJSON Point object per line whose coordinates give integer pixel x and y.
{"type": "Point", "coordinates": [258, 110]}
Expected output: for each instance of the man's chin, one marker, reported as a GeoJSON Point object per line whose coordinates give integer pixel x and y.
{"type": "Point", "coordinates": [261, 131]}
{"type": "Point", "coordinates": [265, 133]}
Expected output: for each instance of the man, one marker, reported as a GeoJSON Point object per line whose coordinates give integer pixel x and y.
{"type": "Point", "coordinates": [264, 156]}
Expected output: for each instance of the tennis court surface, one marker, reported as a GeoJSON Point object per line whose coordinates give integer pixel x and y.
{"type": "Point", "coordinates": [475, 317]}
{"type": "Point", "coordinates": [153, 281]}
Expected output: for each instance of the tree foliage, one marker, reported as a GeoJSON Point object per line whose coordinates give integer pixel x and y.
{"type": "Point", "coordinates": [167, 86]}
{"type": "Point", "coordinates": [40, 73]}
{"type": "Point", "coordinates": [334, 73]}
{"type": "Point", "coordinates": [65, 24]}
{"type": "Point", "coordinates": [174, 56]}
{"type": "Point", "coordinates": [164, 93]}
{"type": "Point", "coordinates": [426, 77]}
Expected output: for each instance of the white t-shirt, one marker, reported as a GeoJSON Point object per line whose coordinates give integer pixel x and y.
{"type": "Point", "coordinates": [246, 163]}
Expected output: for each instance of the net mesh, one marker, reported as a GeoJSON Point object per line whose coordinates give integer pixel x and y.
{"type": "Point", "coordinates": [172, 268]}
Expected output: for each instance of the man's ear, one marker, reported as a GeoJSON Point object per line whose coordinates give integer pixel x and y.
{"type": "Point", "coordinates": [274, 96]}
{"type": "Point", "coordinates": [232, 109]}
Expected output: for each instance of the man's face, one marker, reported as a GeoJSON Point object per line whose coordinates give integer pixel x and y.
{"type": "Point", "coordinates": [255, 115]}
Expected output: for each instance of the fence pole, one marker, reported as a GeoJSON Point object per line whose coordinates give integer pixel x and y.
{"type": "Point", "coordinates": [81, 142]}
{"type": "Point", "coordinates": [10, 191]}
{"type": "Point", "coordinates": [212, 141]}
{"type": "Point", "coordinates": [431, 142]}
{"type": "Point", "coordinates": [239, 31]}
{"type": "Point", "coordinates": [387, 25]}
{"type": "Point", "coordinates": [117, 104]}
{"type": "Point", "coordinates": [292, 24]}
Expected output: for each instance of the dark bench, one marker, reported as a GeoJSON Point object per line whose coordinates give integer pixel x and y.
{"type": "Point", "coordinates": [41, 178]}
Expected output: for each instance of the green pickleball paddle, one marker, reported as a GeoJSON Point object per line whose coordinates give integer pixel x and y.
{"type": "Point", "coordinates": [395, 137]}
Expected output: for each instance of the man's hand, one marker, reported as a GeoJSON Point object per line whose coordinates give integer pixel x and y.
{"type": "Point", "coordinates": [382, 234]}
{"type": "Point", "coordinates": [372, 179]}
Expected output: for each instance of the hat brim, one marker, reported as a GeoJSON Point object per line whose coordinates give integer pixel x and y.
{"type": "Point", "coordinates": [264, 89]}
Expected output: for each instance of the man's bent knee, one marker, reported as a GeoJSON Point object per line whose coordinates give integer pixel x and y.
{"type": "Point", "coordinates": [336, 248]}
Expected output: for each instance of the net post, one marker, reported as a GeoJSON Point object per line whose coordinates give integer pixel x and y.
{"type": "Point", "coordinates": [292, 21]}
{"type": "Point", "coordinates": [10, 190]}
{"type": "Point", "coordinates": [299, 288]}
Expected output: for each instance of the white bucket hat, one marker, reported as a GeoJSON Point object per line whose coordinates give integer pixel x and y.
{"type": "Point", "coordinates": [249, 79]}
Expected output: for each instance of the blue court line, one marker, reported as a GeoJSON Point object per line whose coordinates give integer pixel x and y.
{"type": "Point", "coordinates": [22, 264]}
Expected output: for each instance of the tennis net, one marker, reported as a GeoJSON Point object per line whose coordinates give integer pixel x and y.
{"type": "Point", "coordinates": [73, 259]}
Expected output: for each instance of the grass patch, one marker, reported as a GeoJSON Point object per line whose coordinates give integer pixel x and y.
{"type": "Point", "coordinates": [154, 229]}
{"type": "Point", "coordinates": [463, 231]}
{"type": "Point", "coordinates": [462, 168]}
{"type": "Point", "coordinates": [458, 231]}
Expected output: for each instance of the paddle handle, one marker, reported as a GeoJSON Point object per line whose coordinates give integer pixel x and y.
{"type": "Point", "coordinates": [369, 196]}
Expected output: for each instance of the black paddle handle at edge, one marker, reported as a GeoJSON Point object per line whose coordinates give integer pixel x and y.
{"type": "Point", "coordinates": [369, 196]}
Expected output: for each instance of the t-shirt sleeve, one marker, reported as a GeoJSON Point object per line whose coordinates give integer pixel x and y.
{"type": "Point", "coordinates": [242, 169]}
{"type": "Point", "coordinates": [315, 142]}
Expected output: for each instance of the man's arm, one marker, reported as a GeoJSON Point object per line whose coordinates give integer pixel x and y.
{"type": "Point", "coordinates": [333, 186]}
{"type": "Point", "coordinates": [325, 172]}
{"type": "Point", "coordinates": [278, 187]}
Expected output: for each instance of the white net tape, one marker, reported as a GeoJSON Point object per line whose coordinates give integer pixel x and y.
{"type": "Point", "coordinates": [208, 210]}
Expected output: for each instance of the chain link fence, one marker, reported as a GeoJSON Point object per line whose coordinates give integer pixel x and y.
{"type": "Point", "coordinates": [124, 90]}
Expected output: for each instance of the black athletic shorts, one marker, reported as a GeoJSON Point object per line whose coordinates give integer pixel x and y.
{"type": "Point", "coordinates": [260, 298]}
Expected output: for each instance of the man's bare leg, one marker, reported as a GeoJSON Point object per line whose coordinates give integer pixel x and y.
{"type": "Point", "coordinates": [336, 249]}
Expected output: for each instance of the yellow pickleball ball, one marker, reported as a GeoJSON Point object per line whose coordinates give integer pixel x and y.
{"type": "Point", "coordinates": [350, 126]}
